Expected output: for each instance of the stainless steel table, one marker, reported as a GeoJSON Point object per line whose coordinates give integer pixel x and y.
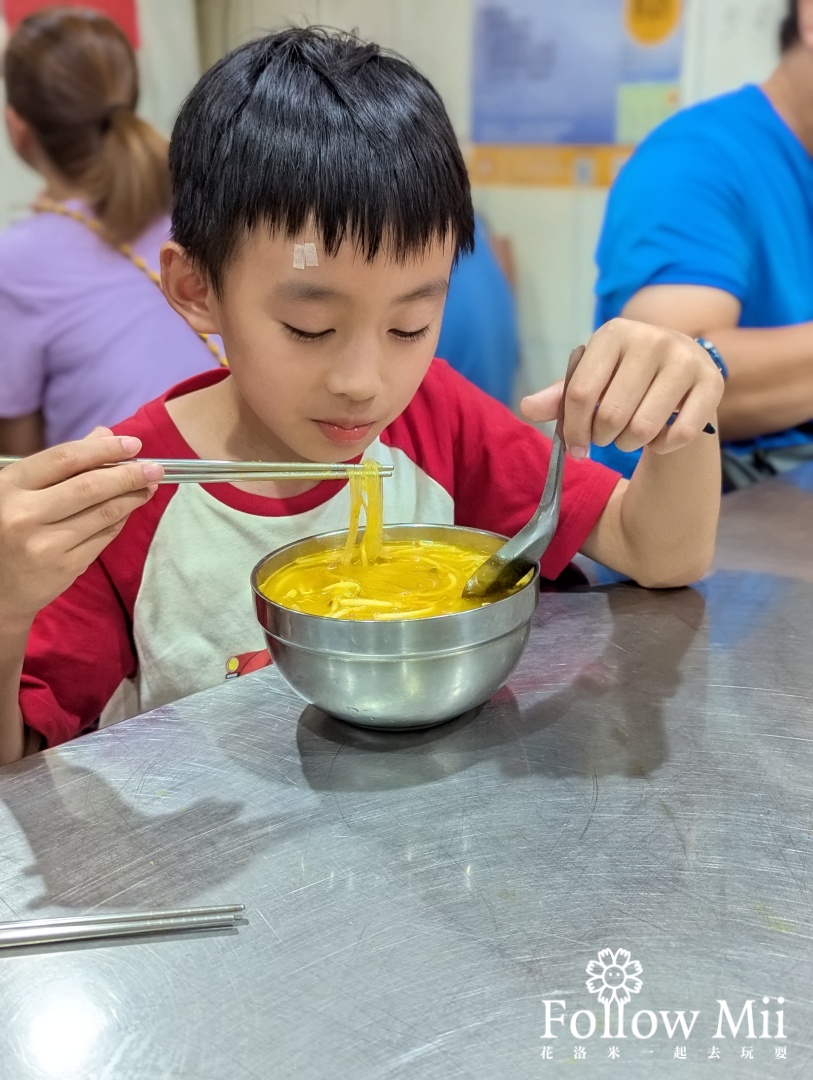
{"type": "Point", "coordinates": [426, 905]}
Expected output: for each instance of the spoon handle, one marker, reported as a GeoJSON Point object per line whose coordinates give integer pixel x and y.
{"type": "Point", "coordinates": [516, 556]}
{"type": "Point", "coordinates": [539, 531]}
{"type": "Point", "coordinates": [552, 493]}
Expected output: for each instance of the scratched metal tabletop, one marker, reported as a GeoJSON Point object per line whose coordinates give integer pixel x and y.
{"type": "Point", "coordinates": [638, 801]}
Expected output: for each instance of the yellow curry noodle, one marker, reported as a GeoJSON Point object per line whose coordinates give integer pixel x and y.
{"type": "Point", "coordinates": [371, 579]}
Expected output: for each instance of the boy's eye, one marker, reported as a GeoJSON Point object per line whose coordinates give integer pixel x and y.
{"type": "Point", "coordinates": [410, 335]}
{"type": "Point", "coordinates": [305, 335]}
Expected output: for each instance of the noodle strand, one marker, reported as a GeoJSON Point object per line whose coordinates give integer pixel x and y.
{"type": "Point", "coordinates": [370, 579]}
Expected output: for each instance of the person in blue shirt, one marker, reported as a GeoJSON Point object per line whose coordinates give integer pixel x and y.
{"type": "Point", "coordinates": [709, 230]}
{"type": "Point", "coordinates": [479, 335]}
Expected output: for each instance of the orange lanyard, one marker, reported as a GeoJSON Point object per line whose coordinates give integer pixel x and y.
{"type": "Point", "coordinates": [49, 206]}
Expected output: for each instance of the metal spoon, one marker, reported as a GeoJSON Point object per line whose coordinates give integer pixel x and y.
{"type": "Point", "coordinates": [517, 556]}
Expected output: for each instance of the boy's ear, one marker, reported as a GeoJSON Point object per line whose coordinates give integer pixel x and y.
{"type": "Point", "coordinates": [188, 290]}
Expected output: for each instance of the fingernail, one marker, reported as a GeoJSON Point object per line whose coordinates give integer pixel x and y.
{"type": "Point", "coordinates": [152, 488]}
{"type": "Point", "coordinates": [129, 444]}
{"type": "Point", "coordinates": [578, 452]}
{"type": "Point", "coordinates": [152, 471]}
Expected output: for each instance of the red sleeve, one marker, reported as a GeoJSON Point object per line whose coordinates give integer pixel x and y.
{"type": "Point", "coordinates": [79, 651]}
{"type": "Point", "coordinates": [500, 466]}
{"type": "Point", "coordinates": [81, 648]}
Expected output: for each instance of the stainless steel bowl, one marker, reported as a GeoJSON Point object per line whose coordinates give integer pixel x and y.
{"type": "Point", "coordinates": [411, 673]}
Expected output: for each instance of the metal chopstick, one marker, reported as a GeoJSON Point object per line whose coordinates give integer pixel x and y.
{"type": "Point", "coordinates": [79, 930]}
{"type": "Point", "coordinates": [197, 471]}
{"type": "Point", "coordinates": [342, 468]}
{"type": "Point", "coordinates": [234, 911]}
{"type": "Point", "coordinates": [213, 472]}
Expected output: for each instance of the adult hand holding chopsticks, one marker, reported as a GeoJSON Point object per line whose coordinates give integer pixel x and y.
{"type": "Point", "coordinates": [58, 510]}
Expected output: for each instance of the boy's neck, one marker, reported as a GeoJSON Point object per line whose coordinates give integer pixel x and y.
{"type": "Point", "coordinates": [217, 425]}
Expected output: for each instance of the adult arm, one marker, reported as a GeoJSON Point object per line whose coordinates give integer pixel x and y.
{"type": "Point", "coordinates": [770, 381]}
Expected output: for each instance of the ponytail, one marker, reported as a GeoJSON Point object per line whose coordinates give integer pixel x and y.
{"type": "Point", "coordinates": [128, 182]}
{"type": "Point", "coordinates": [71, 75]}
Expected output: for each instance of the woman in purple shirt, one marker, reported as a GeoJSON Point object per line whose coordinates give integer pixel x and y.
{"type": "Point", "coordinates": [86, 336]}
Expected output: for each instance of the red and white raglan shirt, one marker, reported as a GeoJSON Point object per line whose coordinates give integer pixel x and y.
{"type": "Point", "coordinates": [166, 609]}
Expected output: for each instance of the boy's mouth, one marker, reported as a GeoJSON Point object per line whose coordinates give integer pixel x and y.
{"type": "Point", "coordinates": [344, 434]}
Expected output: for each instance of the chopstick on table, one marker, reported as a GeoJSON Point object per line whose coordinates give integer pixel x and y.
{"type": "Point", "coordinates": [87, 927]}
{"type": "Point", "coordinates": [197, 471]}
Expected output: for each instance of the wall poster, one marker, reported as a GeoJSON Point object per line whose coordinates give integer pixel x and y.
{"type": "Point", "coordinates": [562, 91]}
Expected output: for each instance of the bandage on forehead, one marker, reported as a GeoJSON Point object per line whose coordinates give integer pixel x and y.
{"type": "Point", "coordinates": [305, 255]}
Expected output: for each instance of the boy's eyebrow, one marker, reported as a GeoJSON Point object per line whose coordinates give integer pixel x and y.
{"type": "Point", "coordinates": [436, 287]}
{"type": "Point", "coordinates": [312, 290]}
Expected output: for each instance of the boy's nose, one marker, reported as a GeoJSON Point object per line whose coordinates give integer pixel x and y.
{"type": "Point", "coordinates": [357, 375]}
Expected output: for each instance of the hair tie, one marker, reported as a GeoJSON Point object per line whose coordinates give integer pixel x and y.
{"type": "Point", "coordinates": [107, 116]}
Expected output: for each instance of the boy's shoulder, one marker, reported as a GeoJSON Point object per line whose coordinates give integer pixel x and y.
{"type": "Point", "coordinates": [125, 557]}
{"type": "Point", "coordinates": [494, 465]}
{"type": "Point", "coordinates": [449, 420]}
{"type": "Point", "coordinates": [446, 401]}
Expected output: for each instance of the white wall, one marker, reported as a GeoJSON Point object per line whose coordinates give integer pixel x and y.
{"type": "Point", "coordinates": [169, 63]}
{"type": "Point", "coordinates": [728, 43]}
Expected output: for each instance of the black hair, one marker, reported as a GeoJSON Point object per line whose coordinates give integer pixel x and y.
{"type": "Point", "coordinates": [789, 27]}
{"type": "Point", "coordinates": [315, 127]}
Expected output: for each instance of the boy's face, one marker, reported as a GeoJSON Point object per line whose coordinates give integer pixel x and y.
{"type": "Point", "coordinates": [324, 358]}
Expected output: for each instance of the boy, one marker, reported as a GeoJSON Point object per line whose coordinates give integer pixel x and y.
{"type": "Point", "coordinates": [320, 200]}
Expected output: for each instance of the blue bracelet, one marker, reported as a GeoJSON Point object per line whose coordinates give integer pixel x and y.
{"type": "Point", "coordinates": [719, 363]}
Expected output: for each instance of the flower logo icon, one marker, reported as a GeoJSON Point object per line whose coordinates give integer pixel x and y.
{"type": "Point", "coordinates": [614, 977]}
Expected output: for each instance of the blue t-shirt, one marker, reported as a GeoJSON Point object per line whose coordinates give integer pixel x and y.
{"type": "Point", "coordinates": [721, 195]}
{"type": "Point", "coordinates": [479, 335]}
